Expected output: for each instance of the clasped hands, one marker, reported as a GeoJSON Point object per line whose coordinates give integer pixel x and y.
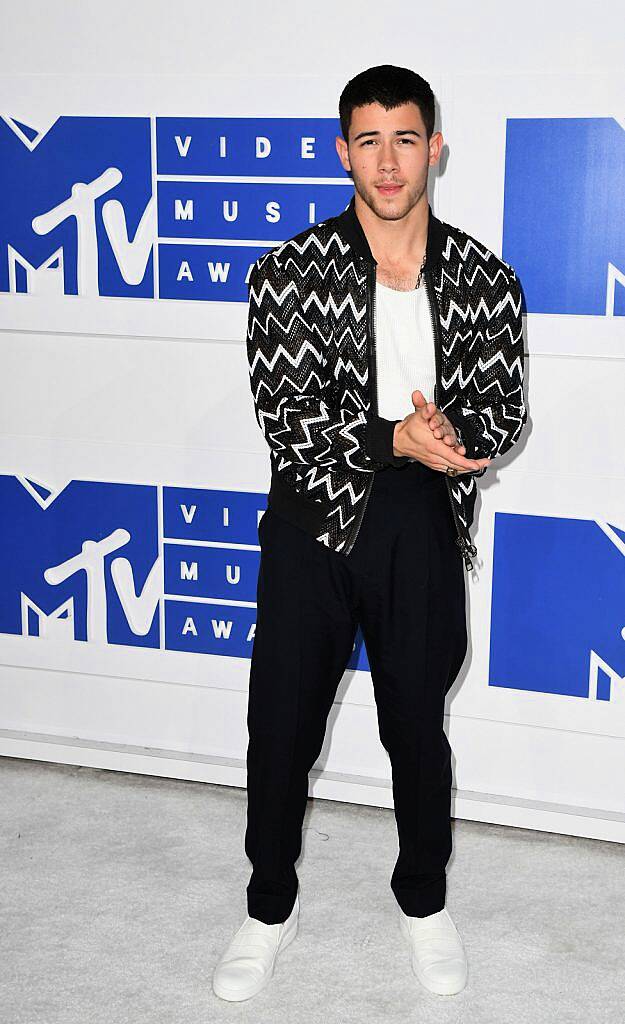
{"type": "Point", "coordinates": [428, 435]}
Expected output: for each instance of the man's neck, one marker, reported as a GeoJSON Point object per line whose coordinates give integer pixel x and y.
{"type": "Point", "coordinates": [395, 242]}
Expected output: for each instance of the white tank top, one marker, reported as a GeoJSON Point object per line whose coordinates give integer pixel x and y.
{"type": "Point", "coordinates": [404, 345]}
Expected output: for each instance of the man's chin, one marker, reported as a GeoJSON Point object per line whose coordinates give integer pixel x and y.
{"type": "Point", "coordinates": [391, 208]}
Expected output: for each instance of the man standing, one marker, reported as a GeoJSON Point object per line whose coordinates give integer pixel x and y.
{"type": "Point", "coordinates": [385, 352]}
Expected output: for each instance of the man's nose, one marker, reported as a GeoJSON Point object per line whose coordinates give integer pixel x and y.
{"type": "Point", "coordinates": [388, 157]}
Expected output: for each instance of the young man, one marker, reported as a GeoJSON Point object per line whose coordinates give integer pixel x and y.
{"type": "Point", "coordinates": [386, 364]}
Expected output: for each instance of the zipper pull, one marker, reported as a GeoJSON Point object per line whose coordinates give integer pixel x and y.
{"type": "Point", "coordinates": [467, 550]}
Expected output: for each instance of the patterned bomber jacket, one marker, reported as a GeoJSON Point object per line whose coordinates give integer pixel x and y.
{"type": "Point", "coordinates": [312, 365]}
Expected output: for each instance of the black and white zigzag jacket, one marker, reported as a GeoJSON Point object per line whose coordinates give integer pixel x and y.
{"type": "Point", "coordinates": [311, 356]}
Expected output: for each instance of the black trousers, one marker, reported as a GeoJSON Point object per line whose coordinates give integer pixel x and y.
{"type": "Point", "coordinates": [403, 583]}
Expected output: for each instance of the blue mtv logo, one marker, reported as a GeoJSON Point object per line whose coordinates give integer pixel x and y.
{"type": "Point", "coordinates": [80, 564]}
{"type": "Point", "coordinates": [564, 215]}
{"type": "Point", "coordinates": [171, 568]}
{"type": "Point", "coordinates": [156, 207]}
{"type": "Point", "coordinates": [77, 215]}
{"type": "Point", "coordinates": [558, 606]}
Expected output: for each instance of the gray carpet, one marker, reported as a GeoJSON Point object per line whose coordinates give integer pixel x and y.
{"type": "Point", "coordinates": [119, 892]}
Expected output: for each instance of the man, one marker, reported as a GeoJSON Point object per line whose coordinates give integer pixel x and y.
{"type": "Point", "coordinates": [386, 365]}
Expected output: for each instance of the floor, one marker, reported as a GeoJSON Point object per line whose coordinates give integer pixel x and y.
{"type": "Point", "coordinates": [119, 892]}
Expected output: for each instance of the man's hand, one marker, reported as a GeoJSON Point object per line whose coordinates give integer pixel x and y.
{"type": "Point", "coordinates": [428, 435]}
{"type": "Point", "coordinates": [439, 424]}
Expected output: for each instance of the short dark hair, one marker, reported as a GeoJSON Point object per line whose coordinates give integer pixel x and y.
{"type": "Point", "coordinates": [389, 86]}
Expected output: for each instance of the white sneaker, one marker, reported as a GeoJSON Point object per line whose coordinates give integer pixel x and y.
{"type": "Point", "coordinates": [437, 955]}
{"type": "Point", "coordinates": [248, 962]}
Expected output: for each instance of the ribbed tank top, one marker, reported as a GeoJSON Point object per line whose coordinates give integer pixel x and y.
{"type": "Point", "coordinates": [404, 345]}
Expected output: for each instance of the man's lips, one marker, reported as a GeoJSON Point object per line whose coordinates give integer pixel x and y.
{"type": "Point", "coordinates": [389, 189]}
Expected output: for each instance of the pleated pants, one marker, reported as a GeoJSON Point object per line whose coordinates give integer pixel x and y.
{"type": "Point", "coordinates": [403, 584]}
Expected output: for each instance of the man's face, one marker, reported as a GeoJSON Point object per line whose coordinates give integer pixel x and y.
{"type": "Point", "coordinates": [389, 147]}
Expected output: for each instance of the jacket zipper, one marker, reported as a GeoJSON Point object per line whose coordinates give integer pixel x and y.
{"type": "Point", "coordinates": [371, 276]}
{"type": "Point", "coordinates": [467, 550]}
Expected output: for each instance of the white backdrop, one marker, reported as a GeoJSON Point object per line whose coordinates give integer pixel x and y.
{"type": "Point", "coordinates": [155, 392]}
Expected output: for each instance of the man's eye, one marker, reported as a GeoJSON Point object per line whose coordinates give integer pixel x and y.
{"type": "Point", "coordinates": [409, 141]}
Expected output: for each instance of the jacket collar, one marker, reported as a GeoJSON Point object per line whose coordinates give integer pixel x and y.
{"type": "Point", "coordinates": [353, 233]}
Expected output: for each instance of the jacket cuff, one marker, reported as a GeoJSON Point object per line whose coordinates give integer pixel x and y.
{"type": "Point", "coordinates": [467, 431]}
{"type": "Point", "coordinates": [468, 437]}
{"type": "Point", "coordinates": [379, 432]}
